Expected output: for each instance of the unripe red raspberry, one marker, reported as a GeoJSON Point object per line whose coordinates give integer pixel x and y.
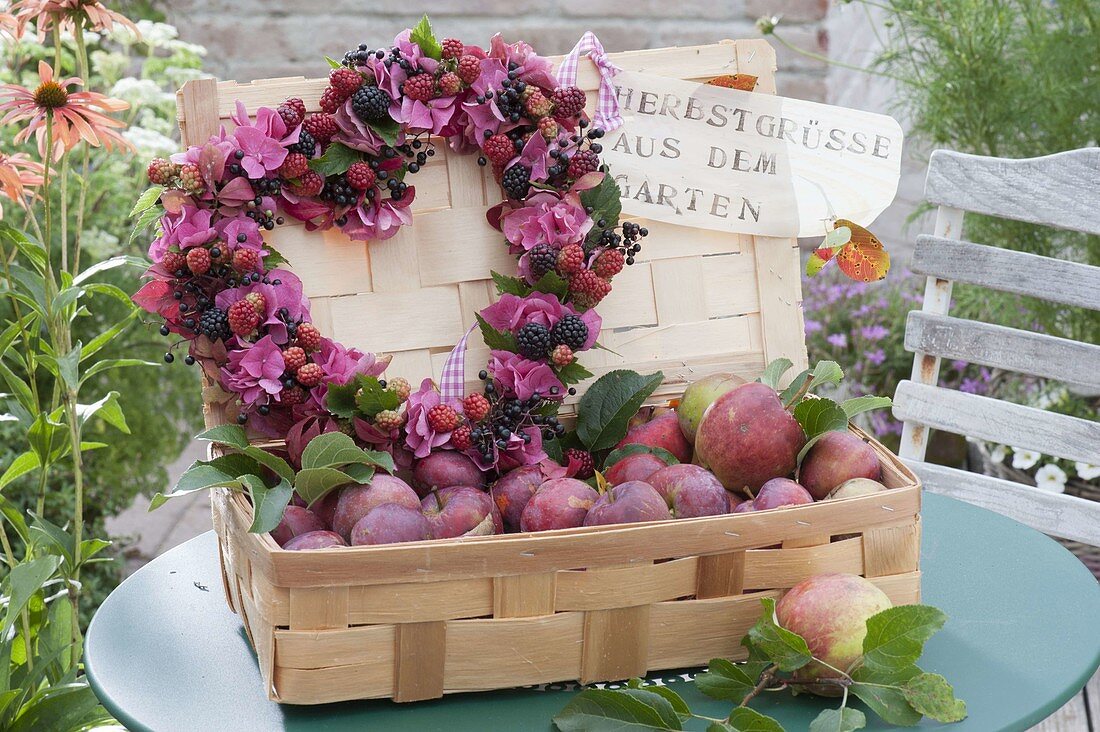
{"type": "Point", "coordinates": [583, 162]}
{"type": "Point", "coordinates": [361, 176]}
{"type": "Point", "coordinates": [562, 355]}
{"type": "Point", "coordinates": [292, 395]}
{"type": "Point", "coordinates": [246, 260]}
{"type": "Point", "coordinates": [243, 317]}
{"type": "Point", "coordinates": [321, 126]}
{"type": "Point", "coordinates": [198, 260]}
{"type": "Point", "coordinates": [582, 457]}
{"type": "Point", "coordinates": [309, 184]}
{"type": "Point", "coordinates": [461, 438]}
{"type": "Point", "coordinates": [537, 105]}
{"type": "Point", "coordinates": [294, 166]}
{"type": "Point", "coordinates": [452, 48]}
{"type": "Point", "coordinates": [568, 101]}
{"type": "Point", "coordinates": [587, 288]}
{"type": "Point", "coordinates": [294, 358]}
{"type": "Point", "coordinates": [388, 420]}
{"type": "Point", "coordinates": [293, 111]}
{"type": "Point", "coordinates": [173, 262]}
{"type": "Point", "coordinates": [570, 259]}
{"type": "Point", "coordinates": [499, 149]}
{"type": "Point", "coordinates": [399, 386]}
{"type": "Point", "coordinates": [344, 82]}
{"type": "Point", "coordinates": [442, 418]}
{"type": "Point", "coordinates": [450, 84]}
{"type": "Point", "coordinates": [331, 100]}
{"type": "Point", "coordinates": [609, 263]}
{"type": "Point", "coordinates": [309, 338]}
{"type": "Point", "coordinates": [161, 171]}
{"type": "Point", "coordinates": [310, 375]}
{"type": "Point", "coordinates": [549, 128]}
{"type": "Point", "coordinates": [469, 68]}
{"type": "Point", "coordinates": [420, 87]}
{"type": "Point", "coordinates": [475, 407]}
{"type": "Point", "coordinates": [191, 179]}
{"type": "Point", "coordinates": [258, 301]}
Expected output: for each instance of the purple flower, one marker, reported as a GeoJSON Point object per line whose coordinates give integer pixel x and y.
{"type": "Point", "coordinates": [521, 377]}
{"type": "Point", "coordinates": [435, 115]}
{"type": "Point", "coordinates": [378, 219]}
{"type": "Point", "coordinates": [420, 437]}
{"type": "Point", "coordinates": [193, 228]}
{"type": "Point", "coordinates": [535, 155]}
{"type": "Point", "coordinates": [546, 219]}
{"type": "Point", "coordinates": [512, 312]}
{"type": "Point", "coordinates": [254, 371]}
{"type": "Point", "coordinates": [877, 356]}
{"type": "Point", "coordinates": [874, 332]}
{"type": "Point", "coordinates": [838, 339]}
{"type": "Point", "coordinates": [231, 229]}
{"type": "Point", "coordinates": [530, 67]}
{"type": "Point", "coordinates": [516, 453]}
{"type": "Point", "coordinates": [287, 294]}
{"type": "Point", "coordinates": [338, 366]}
{"type": "Point", "coordinates": [263, 142]}
{"type": "Point", "coordinates": [812, 326]}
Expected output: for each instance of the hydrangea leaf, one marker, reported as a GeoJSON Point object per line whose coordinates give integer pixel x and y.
{"type": "Point", "coordinates": [573, 373]}
{"type": "Point", "coordinates": [495, 339]}
{"type": "Point", "coordinates": [225, 434]}
{"type": "Point", "coordinates": [336, 160]}
{"type": "Point", "coordinates": [510, 285]}
{"type": "Point", "coordinates": [423, 36]}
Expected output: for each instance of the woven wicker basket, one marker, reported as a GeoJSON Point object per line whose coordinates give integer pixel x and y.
{"type": "Point", "coordinates": [415, 621]}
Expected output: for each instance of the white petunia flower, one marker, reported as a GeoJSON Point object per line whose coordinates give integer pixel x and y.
{"type": "Point", "coordinates": [1023, 459]}
{"type": "Point", "coordinates": [998, 454]}
{"type": "Point", "coordinates": [1086, 471]}
{"type": "Point", "coordinates": [1051, 478]}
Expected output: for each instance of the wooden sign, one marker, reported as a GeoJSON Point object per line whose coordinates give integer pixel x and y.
{"type": "Point", "coordinates": [735, 161]}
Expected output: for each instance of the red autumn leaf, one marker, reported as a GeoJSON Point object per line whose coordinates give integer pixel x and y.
{"type": "Point", "coordinates": [863, 258]}
{"type": "Point", "coordinates": [744, 82]}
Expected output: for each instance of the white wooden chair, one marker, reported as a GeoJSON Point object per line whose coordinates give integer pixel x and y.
{"type": "Point", "coordinates": [1061, 191]}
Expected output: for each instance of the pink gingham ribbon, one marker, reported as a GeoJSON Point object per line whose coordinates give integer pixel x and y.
{"type": "Point", "coordinates": [607, 108]}
{"type": "Point", "coordinates": [452, 382]}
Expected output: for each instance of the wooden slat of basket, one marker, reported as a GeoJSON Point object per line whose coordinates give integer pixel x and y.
{"type": "Point", "coordinates": [616, 644]}
{"type": "Point", "coordinates": [721, 575]}
{"type": "Point", "coordinates": [419, 651]}
{"type": "Point", "coordinates": [505, 652]}
{"type": "Point", "coordinates": [685, 631]}
{"type": "Point", "coordinates": [525, 595]}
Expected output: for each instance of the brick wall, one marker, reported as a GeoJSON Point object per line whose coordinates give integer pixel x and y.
{"type": "Point", "coordinates": [250, 39]}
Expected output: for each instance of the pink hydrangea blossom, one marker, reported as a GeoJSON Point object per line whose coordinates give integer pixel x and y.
{"type": "Point", "coordinates": [521, 377]}
{"type": "Point", "coordinates": [338, 366]}
{"type": "Point", "coordinates": [254, 371]}
{"type": "Point", "coordinates": [357, 134]}
{"type": "Point", "coordinates": [512, 312]}
{"type": "Point", "coordinates": [439, 115]}
{"type": "Point", "coordinates": [546, 219]}
{"type": "Point", "coordinates": [231, 229]}
{"type": "Point", "coordinates": [531, 68]}
{"type": "Point", "coordinates": [516, 453]}
{"type": "Point", "coordinates": [263, 141]}
{"type": "Point", "coordinates": [536, 156]}
{"type": "Point", "coordinates": [420, 437]}
{"type": "Point", "coordinates": [191, 227]}
{"type": "Point", "coordinates": [379, 219]}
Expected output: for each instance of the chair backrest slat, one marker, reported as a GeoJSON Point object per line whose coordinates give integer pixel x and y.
{"type": "Point", "coordinates": [1059, 190]}
{"type": "Point", "coordinates": [1055, 280]}
{"type": "Point", "coordinates": [990, 419]}
{"type": "Point", "coordinates": [1070, 517]}
{"type": "Point", "coordinates": [1005, 348]}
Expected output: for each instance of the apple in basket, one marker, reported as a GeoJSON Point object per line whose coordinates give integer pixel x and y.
{"type": "Point", "coordinates": [461, 511]}
{"type": "Point", "coordinates": [691, 491]}
{"type": "Point", "coordinates": [391, 523]}
{"type": "Point", "coordinates": [633, 467]}
{"type": "Point", "coordinates": [296, 521]}
{"type": "Point", "coordinates": [560, 503]}
{"type": "Point", "coordinates": [512, 492]}
{"type": "Point", "coordinates": [314, 540]}
{"type": "Point", "coordinates": [662, 431]}
{"type": "Point", "coordinates": [830, 611]}
{"type": "Point", "coordinates": [779, 492]}
{"type": "Point", "coordinates": [698, 396]}
{"type": "Point", "coordinates": [443, 469]}
{"type": "Point", "coordinates": [627, 503]}
{"type": "Point", "coordinates": [356, 501]}
{"type": "Point", "coordinates": [834, 459]}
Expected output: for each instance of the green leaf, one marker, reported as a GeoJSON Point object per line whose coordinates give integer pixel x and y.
{"type": "Point", "coordinates": [22, 581]}
{"type": "Point", "coordinates": [818, 416]}
{"type": "Point", "coordinates": [574, 373]}
{"type": "Point", "coordinates": [107, 409]}
{"type": "Point", "coordinates": [146, 200]}
{"type": "Point", "coordinates": [96, 344]}
{"type": "Point", "coordinates": [199, 476]}
{"type": "Point", "coordinates": [22, 391]}
{"type": "Point", "coordinates": [386, 128]}
{"type": "Point", "coordinates": [333, 63]}
{"type": "Point", "coordinates": [113, 363]}
{"type": "Point", "coordinates": [896, 636]}
{"type": "Point", "coordinates": [552, 283]}
{"type": "Point", "coordinates": [510, 285]}
{"type": "Point", "coordinates": [225, 434]}
{"type": "Point", "coordinates": [48, 438]}
{"type": "Point", "coordinates": [147, 217]}
{"type": "Point", "coordinates": [785, 649]}
{"type": "Point", "coordinates": [423, 36]}
{"type": "Point", "coordinates": [360, 473]}
{"type": "Point", "coordinates": [496, 340]}
{"type": "Point", "coordinates": [108, 264]}
{"type": "Point", "coordinates": [273, 258]}
{"type": "Point", "coordinates": [744, 719]}
{"type": "Point", "coordinates": [313, 484]}
{"type": "Point", "coordinates": [233, 464]}
{"type": "Point", "coordinates": [68, 368]}
{"type": "Point", "coordinates": [844, 719]}
{"type": "Point", "coordinates": [268, 504]}
{"type": "Point", "coordinates": [340, 399]}
{"type": "Point", "coordinates": [279, 466]}
{"type": "Point", "coordinates": [932, 696]}
{"type": "Point", "coordinates": [774, 372]}
{"type": "Point", "coordinates": [333, 449]}
{"type": "Point", "coordinates": [68, 706]}
{"type": "Point", "coordinates": [22, 465]}
{"type": "Point", "coordinates": [730, 681]}
{"type": "Point", "coordinates": [678, 704]}
{"type": "Point", "coordinates": [859, 405]}
{"type": "Point", "coordinates": [372, 398]}
{"type": "Point", "coordinates": [597, 710]}
{"type": "Point", "coordinates": [887, 702]}
{"type": "Point", "coordinates": [826, 372]}
{"type": "Point", "coordinates": [635, 449]}
{"type": "Point", "coordinates": [608, 405]}
{"type": "Point", "coordinates": [336, 160]}
{"type": "Point", "coordinates": [605, 202]}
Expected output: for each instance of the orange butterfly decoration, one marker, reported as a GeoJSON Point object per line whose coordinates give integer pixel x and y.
{"type": "Point", "coordinates": [744, 82]}
{"type": "Point", "coordinates": [857, 252]}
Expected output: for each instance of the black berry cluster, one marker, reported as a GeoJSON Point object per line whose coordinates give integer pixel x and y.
{"type": "Point", "coordinates": [516, 181]}
{"type": "Point", "coordinates": [533, 340]}
{"type": "Point", "coordinates": [370, 103]}
{"type": "Point", "coordinates": [569, 331]}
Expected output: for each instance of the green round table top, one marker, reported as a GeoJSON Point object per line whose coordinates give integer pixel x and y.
{"type": "Point", "coordinates": [165, 653]}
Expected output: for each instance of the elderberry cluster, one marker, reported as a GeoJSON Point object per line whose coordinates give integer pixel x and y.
{"type": "Point", "coordinates": [511, 416]}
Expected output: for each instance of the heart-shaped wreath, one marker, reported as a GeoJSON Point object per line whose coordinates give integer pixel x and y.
{"type": "Point", "coordinates": [218, 285]}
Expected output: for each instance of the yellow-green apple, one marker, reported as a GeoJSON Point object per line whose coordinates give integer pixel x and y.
{"type": "Point", "coordinates": [698, 396]}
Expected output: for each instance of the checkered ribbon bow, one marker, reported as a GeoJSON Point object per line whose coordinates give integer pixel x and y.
{"type": "Point", "coordinates": [452, 382]}
{"type": "Point", "coordinates": [607, 115]}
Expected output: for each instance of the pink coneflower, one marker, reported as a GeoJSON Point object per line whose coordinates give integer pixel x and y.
{"type": "Point", "coordinates": [65, 14]}
{"type": "Point", "coordinates": [17, 173]}
{"type": "Point", "coordinates": [76, 115]}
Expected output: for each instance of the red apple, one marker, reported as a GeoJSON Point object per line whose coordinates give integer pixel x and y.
{"type": "Point", "coordinates": [743, 507]}
{"type": "Point", "coordinates": [356, 501]}
{"type": "Point", "coordinates": [747, 438]}
{"type": "Point", "coordinates": [628, 503]}
{"type": "Point", "coordinates": [443, 469]}
{"type": "Point", "coordinates": [830, 611]}
{"type": "Point", "coordinates": [779, 492]}
{"type": "Point", "coordinates": [638, 466]}
{"type": "Point", "coordinates": [834, 459]}
{"type": "Point", "coordinates": [661, 431]}
{"type": "Point", "coordinates": [390, 523]}
{"type": "Point", "coordinates": [296, 520]}
{"type": "Point", "coordinates": [314, 540]}
{"type": "Point", "coordinates": [691, 491]}
{"type": "Point", "coordinates": [461, 511]}
{"type": "Point", "coordinates": [512, 492]}
{"type": "Point", "coordinates": [561, 503]}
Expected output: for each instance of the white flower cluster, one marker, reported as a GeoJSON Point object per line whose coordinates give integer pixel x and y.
{"type": "Point", "coordinates": [1050, 476]}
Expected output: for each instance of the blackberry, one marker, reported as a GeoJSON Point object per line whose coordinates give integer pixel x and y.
{"type": "Point", "coordinates": [570, 331]}
{"type": "Point", "coordinates": [542, 259]}
{"type": "Point", "coordinates": [533, 340]}
{"type": "Point", "coordinates": [370, 103]}
{"type": "Point", "coordinates": [516, 181]}
{"type": "Point", "coordinates": [305, 145]}
{"type": "Point", "coordinates": [214, 324]}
